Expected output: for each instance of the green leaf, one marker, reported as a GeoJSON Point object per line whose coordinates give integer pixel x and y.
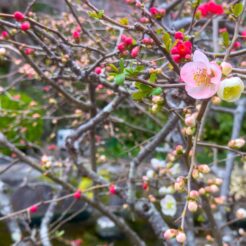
{"type": "Point", "coordinates": [59, 233]}
{"type": "Point", "coordinates": [156, 91]}
{"type": "Point", "coordinates": [96, 14]}
{"type": "Point", "coordinates": [153, 78]}
{"type": "Point", "coordinates": [144, 88]}
{"type": "Point", "coordinates": [237, 9]}
{"type": "Point", "coordinates": [124, 21]}
{"type": "Point", "coordinates": [114, 68]}
{"type": "Point", "coordinates": [167, 40]}
{"type": "Point", "coordinates": [225, 36]}
{"type": "Point", "coordinates": [139, 95]}
{"type": "Point", "coordinates": [122, 65]}
{"type": "Point", "coordinates": [119, 79]}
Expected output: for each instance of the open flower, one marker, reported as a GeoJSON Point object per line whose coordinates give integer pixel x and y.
{"type": "Point", "coordinates": [201, 77]}
{"type": "Point", "coordinates": [231, 89]}
{"type": "Point", "coordinates": [168, 205]}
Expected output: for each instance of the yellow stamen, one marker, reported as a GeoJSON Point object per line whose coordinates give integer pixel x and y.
{"type": "Point", "coordinates": [202, 78]}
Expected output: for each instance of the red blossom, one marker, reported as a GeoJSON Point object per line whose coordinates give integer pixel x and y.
{"type": "Point", "coordinates": [19, 16]}
{"type": "Point", "coordinates": [182, 50]}
{"type": "Point", "coordinates": [210, 8]}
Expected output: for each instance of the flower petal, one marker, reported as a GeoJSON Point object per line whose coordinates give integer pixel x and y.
{"type": "Point", "coordinates": [202, 92]}
{"type": "Point", "coordinates": [189, 70]}
{"type": "Point", "coordinates": [200, 57]}
{"type": "Point", "coordinates": [216, 72]}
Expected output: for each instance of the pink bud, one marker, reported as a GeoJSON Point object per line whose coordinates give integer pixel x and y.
{"type": "Point", "coordinates": [98, 70]}
{"type": "Point", "coordinates": [76, 34]}
{"type": "Point", "coordinates": [176, 58]}
{"type": "Point", "coordinates": [123, 38]}
{"type": "Point", "coordinates": [192, 206]}
{"type": "Point", "coordinates": [28, 51]}
{"type": "Point", "coordinates": [138, 4]}
{"type": "Point", "coordinates": [194, 194]}
{"type": "Point", "coordinates": [25, 26]}
{"type": "Point", "coordinates": [214, 188]}
{"type": "Point", "coordinates": [77, 194]}
{"type": "Point", "coordinates": [226, 68]}
{"type": "Point", "coordinates": [128, 41]}
{"type": "Point", "coordinates": [4, 34]}
{"type": "Point", "coordinates": [144, 20]}
{"type": "Point", "coordinates": [244, 34]}
{"type": "Point", "coordinates": [147, 41]}
{"type": "Point", "coordinates": [204, 169]}
{"type": "Point", "coordinates": [121, 47]}
{"type": "Point", "coordinates": [181, 237]}
{"type": "Point", "coordinates": [19, 16]}
{"type": "Point", "coordinates": [190, 120]}
{"type": "Point", "coordinates": [145, 186]}
{"type": "Point", "coordinates": [112, 189]}
{"type": "Point", "coordinates": [170, 233]}
{"type": "Point", "coordinates": [241, 213]}
{"type": "Point", "coordinates": [135, 51]}
{"type": "Point", "coordinates": [237, 45]}
{"type": "Point", "coordinates": [202, 191]}
{"type": "Point", "coordinates": [33, 209]}
{"type": "Point", "coordinates": [179, 35]}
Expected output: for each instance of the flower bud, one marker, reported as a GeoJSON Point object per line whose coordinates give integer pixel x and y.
{"type": "Point", "coordinates": [194, 194]}
{"type": "Point", "coordinates": [192, 206]}
{"type": "Point", "coordinates": [226, 68]}
{"type": "Point", "coordinates": [236, 143]}
{"type": "Point", "coordinates": [241, 213]}
{"type": "Point", "coordinates": [231, 89]}
{"type": "Point", "coordinates": [204, 168]}
{"type": "Point", "coordinates": [170, 233]}
{"type": "Point", "coordinates": [190, 120]}
{"type": "Point", "coordinates": [181, 237]}
{"type": "Point", "coordinates": [135, 51]}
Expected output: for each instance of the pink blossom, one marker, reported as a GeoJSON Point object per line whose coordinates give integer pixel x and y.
{"type": "Point", "coordinates": [201, 77]}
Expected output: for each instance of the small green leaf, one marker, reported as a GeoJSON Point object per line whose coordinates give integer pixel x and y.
{"type": "Point", "coordinates": [124, 21]}
{"type": "Point", "coordinates": [167, 40]}
{"type": "Point", "coordinates": [139, 95]}
{"type": "Point", "coordinates": [96, 15]}
{"type": "Point", "coordinates": [144, 88]}
{"type": "Point", "coordinates": [122, 65]}
{"type": "Point", "coordinates": [119, 79]}
{"type": "Point", "coordinates": [156, 91]}
{"type": "Point", "coordinates": [59, 233]}
{"type": "Point", "coordinates": [237, 9]}
{"type": "Point", "coordinates": [114, 68]}
{"type": "Point", "coordinates": [153, 78]}
{"type": "Point", "coordinates": [225, 36]}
